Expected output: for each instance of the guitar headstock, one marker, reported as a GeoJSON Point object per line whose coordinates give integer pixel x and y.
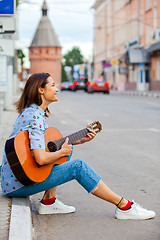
{"type": "Point", "coordinates": [96, 126]}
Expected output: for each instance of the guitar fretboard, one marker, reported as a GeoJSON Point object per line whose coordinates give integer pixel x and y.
{"type": "Point", "coordinates": [72, 138]}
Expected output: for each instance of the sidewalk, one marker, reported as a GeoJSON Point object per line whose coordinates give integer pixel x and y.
{"type": "Point", "coordinates": [15, 213]}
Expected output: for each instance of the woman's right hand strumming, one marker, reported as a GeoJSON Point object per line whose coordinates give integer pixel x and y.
{"type": "Point", "coordinates": [66, 148]}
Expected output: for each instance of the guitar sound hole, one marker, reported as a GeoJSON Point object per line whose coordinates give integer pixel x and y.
{"type": "Point", "coordinates": [52, 146]}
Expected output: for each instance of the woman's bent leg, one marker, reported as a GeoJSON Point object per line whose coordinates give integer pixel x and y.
{"type": "Point", "coordinates": [75, 169]}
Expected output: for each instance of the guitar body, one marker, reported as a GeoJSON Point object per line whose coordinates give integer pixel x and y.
{"type": "Point", "coordinates": [21, 158]}
{"type": "Point", "coordinates": [22, 162]}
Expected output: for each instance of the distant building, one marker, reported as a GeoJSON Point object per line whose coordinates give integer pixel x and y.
{"type": "Point", "coordinates": [45, 50]}
{"type": "Point", "coordinates": [127, 43]}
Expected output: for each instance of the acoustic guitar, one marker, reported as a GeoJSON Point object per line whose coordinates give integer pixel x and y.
{"type": "Point", "coordinates": [21, 158]}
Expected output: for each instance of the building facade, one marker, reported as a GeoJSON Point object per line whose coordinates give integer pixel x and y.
{"type": "Point", "coordinates": [45, 50]}
{"type": "Point", "coordinates": [127, 43]}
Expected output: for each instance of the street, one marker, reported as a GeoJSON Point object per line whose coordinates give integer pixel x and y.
{"type": "Point", "coordinates": [126, 155]}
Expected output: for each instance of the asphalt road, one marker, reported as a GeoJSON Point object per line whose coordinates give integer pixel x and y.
{"type": "Point", "coordinates": [126, 155]}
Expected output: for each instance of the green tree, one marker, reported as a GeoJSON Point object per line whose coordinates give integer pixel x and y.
{"type": "Point", "coordinates": [21, 56]}
{"type": "Point", "coordinates": [64, 75]}
{"type": "Point", "coordinates": [17, 2]}
{"type": "Point", "coordinates": [72, 57]}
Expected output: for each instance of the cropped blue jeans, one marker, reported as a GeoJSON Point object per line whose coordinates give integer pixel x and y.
{"type": "Point", "coordinates": [76, 169]}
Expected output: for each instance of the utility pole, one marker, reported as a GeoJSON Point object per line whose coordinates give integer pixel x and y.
{"type": "Point", "coordinates": [105, 30]}
{"type": "Point", "coordinates": [155, 15]}
{"type": "Point", "coordinates": [138, 19]}
{"type": "Point", "coordinates": [105, 45]}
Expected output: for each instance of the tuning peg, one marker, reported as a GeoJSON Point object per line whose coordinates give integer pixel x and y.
{"type": "Point", "coordinates": [96, 126]}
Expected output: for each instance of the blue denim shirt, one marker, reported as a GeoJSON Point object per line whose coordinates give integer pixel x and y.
{"type": "Point", "coordinates": [31, 119]}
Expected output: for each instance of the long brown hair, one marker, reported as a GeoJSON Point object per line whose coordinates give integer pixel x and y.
{"type": "Point", "coordinates": [30, 92]}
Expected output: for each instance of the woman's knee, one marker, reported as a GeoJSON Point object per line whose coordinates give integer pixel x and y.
{"type": "Point", "coordinates": [79, 162]}
{"type": "Point", "coordinates": [79, 168]}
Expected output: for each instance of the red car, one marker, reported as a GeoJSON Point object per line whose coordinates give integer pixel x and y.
{"type": "Point", "coordinates": [98, 85]}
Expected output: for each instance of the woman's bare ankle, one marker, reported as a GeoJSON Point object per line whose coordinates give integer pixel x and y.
{"type": "Point", "coordinates": [123, 202]}
{"type": "Point", "coordinates": [48, 195]}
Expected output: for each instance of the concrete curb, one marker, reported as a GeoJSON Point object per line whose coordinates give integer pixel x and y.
{"type": "Point", "coordinates": [5, 211]}
{"type": "Point", "coordinates": [21, 222]}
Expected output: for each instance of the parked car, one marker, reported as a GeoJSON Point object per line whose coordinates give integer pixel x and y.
{"type": "Point", "coordinates": [79, 84]}
{"type": "Point", "coordinates": [66, 86]}
{"type": "Point", "coordinates": [79, 76]}
{"type": "Point", "coordinates": [98, 85]}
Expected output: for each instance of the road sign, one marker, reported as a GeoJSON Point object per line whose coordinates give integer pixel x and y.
{"type": "Point", "coordinates": [7, 7]}
{"type": "Point", "coordinates": [7, 19]}
{"type": "Point", "coordinates": [114, 62]}
{"type": "Point", "coordinates": [7, 25]}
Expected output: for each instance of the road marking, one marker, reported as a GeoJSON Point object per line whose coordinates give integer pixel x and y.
{"type": "Point", "coordinates": [63, 122]}
{"type": "Point", "coordinates": [106, 114]}
{"type": "Point", "coordinates": [154, 129]}
{"type": "Point", "coordinates": [67, 111]}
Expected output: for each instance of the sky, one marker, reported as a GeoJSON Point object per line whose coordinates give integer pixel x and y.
{"type": "Point", "coordinates": [72, 20]}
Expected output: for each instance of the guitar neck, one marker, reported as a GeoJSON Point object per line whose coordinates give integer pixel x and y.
{"type": "Point", "coordinates": [72, 138]}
